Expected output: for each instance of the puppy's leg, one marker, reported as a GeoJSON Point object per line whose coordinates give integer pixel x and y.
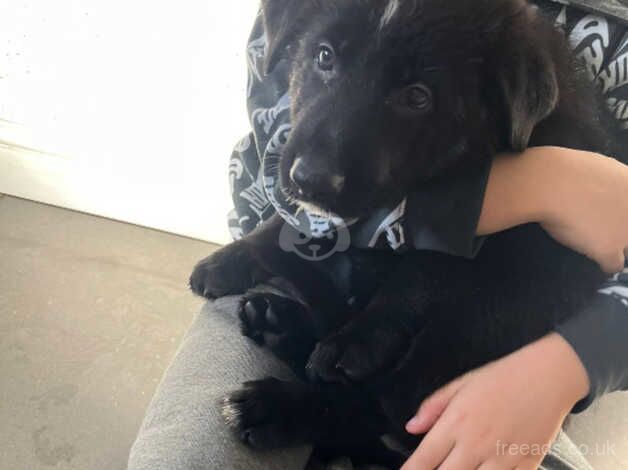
{"type": "Point", "coordinates": [275, 316]}
{"type": "Point", "coordinates": [238, 266]}
{"type": "Point", "coordinates": [377, 338]}
{"type": "Point", "coordinates": [271, 414]}
{"type": "Point", "coordinates": [248, 262]}
{"type": "Point", "coordinates": [366, 346]}
{"type": "Point", "coordinates": [257, 258]}
{"type": "Point", "coordinates": [229, 271]}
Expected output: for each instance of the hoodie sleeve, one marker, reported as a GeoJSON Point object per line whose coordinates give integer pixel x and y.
{"type": "Point", "coordinates": [599, 335]}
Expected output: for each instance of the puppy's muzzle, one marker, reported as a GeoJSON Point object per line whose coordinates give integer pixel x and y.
{"type": "Point", "coordinates": [314, 184]}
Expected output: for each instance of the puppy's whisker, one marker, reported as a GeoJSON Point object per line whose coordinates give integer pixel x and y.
{"type": "Point", "coordinates": [289, 196]}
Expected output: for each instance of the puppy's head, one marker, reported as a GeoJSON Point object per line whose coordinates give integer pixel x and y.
{"type": "Point", "coordinates": [389, 94]}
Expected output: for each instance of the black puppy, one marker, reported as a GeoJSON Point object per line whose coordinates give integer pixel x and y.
{"type": "Point", "coordinates": [388, 96]}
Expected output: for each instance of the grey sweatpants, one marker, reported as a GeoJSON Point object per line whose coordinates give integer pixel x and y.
{"type": "Point", "coordinates": [183, 428]}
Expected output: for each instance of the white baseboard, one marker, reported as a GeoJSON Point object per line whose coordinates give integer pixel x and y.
{"type": "Point", "coordinates": [55, 180]}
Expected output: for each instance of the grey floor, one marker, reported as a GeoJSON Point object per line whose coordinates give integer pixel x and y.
{"type": "Point", "coordinates": [92, 311]}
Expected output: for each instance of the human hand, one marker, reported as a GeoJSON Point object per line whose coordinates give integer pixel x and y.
{"type": "Point", "coordinates": [503, 416]}
{"type": "Point", "coordinates": [580, 199]}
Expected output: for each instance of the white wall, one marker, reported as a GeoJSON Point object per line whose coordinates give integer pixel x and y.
{"type": "Point", "coordinates": [124, 108]}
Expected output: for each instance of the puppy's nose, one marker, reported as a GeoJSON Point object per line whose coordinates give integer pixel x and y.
{"type": "Point", "coordinates": [313, 183]}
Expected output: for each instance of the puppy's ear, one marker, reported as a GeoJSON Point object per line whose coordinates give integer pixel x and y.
{"type": "Point", "coordinates": [530, 90]}
{"type": "Point", "coordinates": [280, 18]}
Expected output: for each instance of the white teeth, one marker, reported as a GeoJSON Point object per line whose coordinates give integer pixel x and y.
{"type": "Point", "coordinates": [230, 413]}
{"type": "Point", "coordinates": [314, 209]}
{"type": "Point", "coordinates": [389, 13]}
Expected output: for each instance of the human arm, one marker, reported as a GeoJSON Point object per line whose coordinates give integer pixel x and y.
{"type": "Point", "coordinates": [482, 420]}
{"type": "Point", "coordinates": [598, 335]}
{"type": "Point", "coordinates": [563, 372]}
{"type": "Point", "coordinates": [580, 199]}
{"type": "Point", "coordinates": [575, 196]}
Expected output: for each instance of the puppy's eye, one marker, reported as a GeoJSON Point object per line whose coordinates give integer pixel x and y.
{"type": "Point", "coordinates": [416, 98]}
{"type": "Point", "coordinates": [325, 57]}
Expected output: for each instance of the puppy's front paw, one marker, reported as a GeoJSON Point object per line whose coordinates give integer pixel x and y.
{"type": "Point", "coordinates": [229, 271]}
{"type": "Point", "coordinates": [274, 320]}
{"type": "Point", "coordinates": [264, 414]}
{"type": "Point", "coordinates": [355, 355]}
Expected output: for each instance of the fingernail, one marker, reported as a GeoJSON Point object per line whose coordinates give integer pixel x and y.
{"type": "Point", "coordinates": [413, 423]}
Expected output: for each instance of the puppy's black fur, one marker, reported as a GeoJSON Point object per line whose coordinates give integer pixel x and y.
{"type": "Point", "coordinates": [386, 97]}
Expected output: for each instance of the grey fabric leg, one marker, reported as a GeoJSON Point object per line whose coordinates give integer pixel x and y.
{"type": "Point", "coordinates": [183, 428]}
